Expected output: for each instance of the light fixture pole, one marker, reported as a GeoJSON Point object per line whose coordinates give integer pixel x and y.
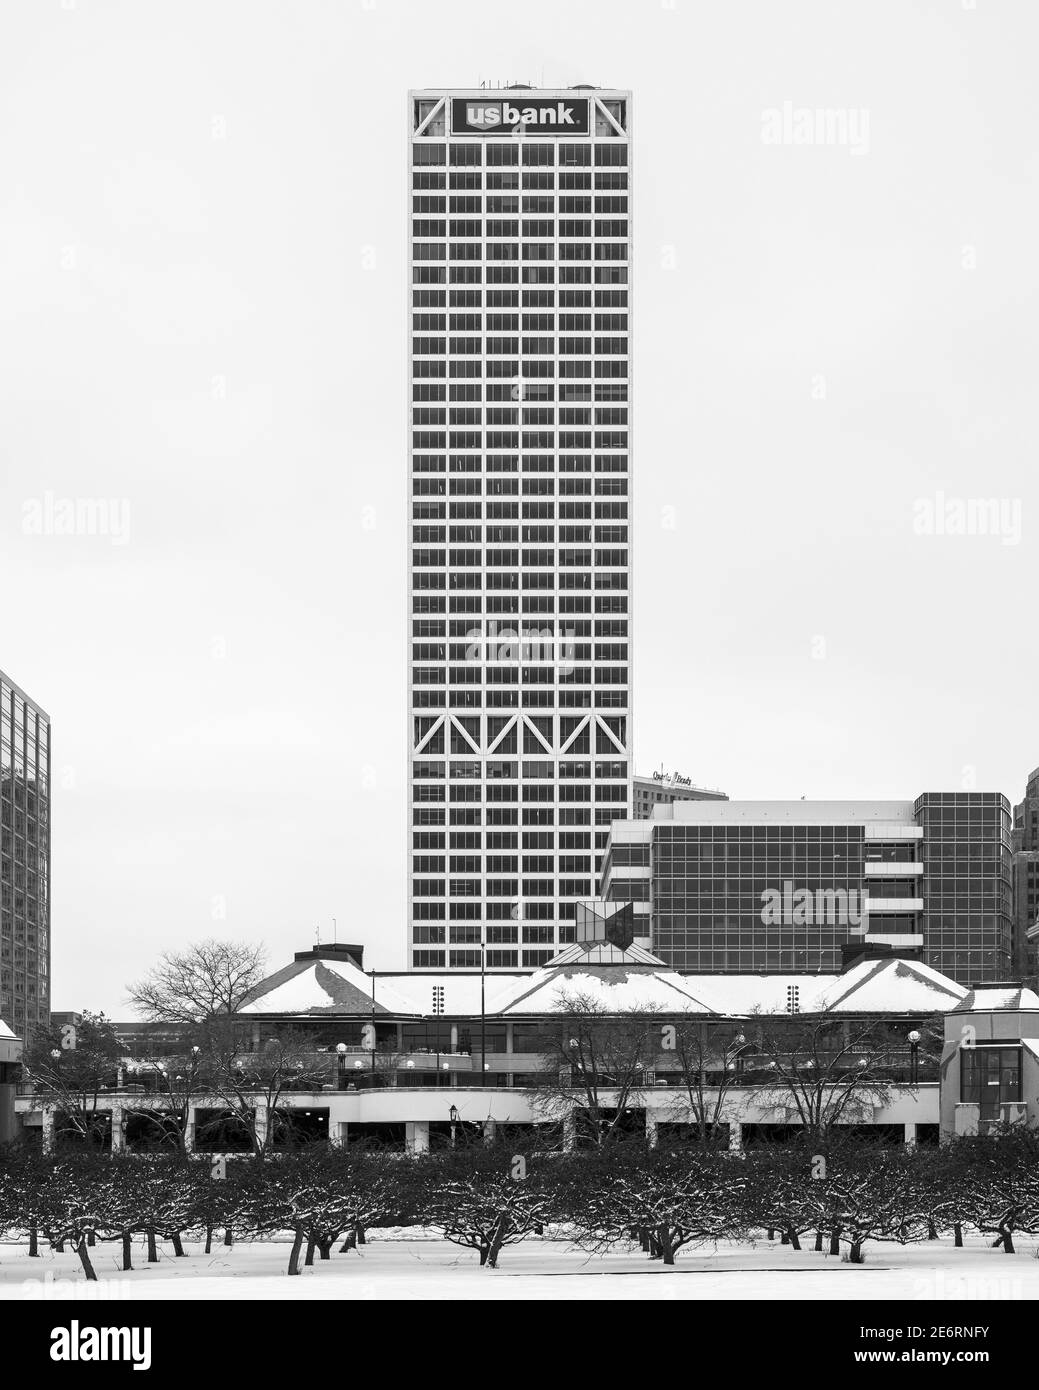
{"type": "Point", "coordinates": [373, 1028]}
{"type": "Point", "coordinates": [483, 1008]}
{"type": "Point", "coordinates": [914, 1057]}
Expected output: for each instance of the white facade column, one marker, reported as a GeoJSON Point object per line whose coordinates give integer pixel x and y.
{"type": "Point", "coordinates": [735, 1137]}
{"type": "Point", "coordinates": [8, 1123]}
{"type": "Point", "coordinates": [189, 1129]}
{"type": "Point", "coordinates": [261, 1121]}
{"type": "Point", "coordinates": [118, 1130]}
{"type": "Point", "coordinates": [490, 1130]}
{"type": "Point", "coordinates": [910, 1135]}
{"type": "Point", "coordinates": [416, 1136]}
{"type": "Point", "coordinates": [651, 1127]}
{"type": "Point", "coordinates": [48, 1130]}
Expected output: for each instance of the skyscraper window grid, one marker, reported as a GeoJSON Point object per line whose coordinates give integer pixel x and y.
{"type": "Point", "coordinates": [24, 860]}
{"type": "Point", "coordinates": [519, 622]}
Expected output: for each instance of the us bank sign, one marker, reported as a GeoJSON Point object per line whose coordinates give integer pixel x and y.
{"type": "Point", "coordinates": [536, 116]}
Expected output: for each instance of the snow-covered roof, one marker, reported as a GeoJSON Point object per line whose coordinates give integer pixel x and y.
{"type": "Point", "coordinates": [322, 987]}
{"type": "Point", "coordinates": [335, 987]}
{"type": "Point", "coordinates": [616, 989]}
{"type": "Point", "coordinates": [5, 1032]}
{"type": "Point", "coordinates": [994, 998]}
{"type": "Point", "coordinates": [887, 986]}
{"type": "Point", "coordinates": [618, 980]}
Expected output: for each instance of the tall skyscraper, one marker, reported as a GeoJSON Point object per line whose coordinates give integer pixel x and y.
{"type": "Point", "coordinates": [520, 673]}
{"type": "Point", "coordinates": [24, 860]}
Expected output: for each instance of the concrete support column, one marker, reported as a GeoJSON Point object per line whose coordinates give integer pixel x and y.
{"type": "Point", "coordinates": [337, 1133]}
{"type": "Point", "coordinates": [48, 1130]}
{"type": "Point", "coordinates": [262, 1120]}
{"type": "Point", "coordinates": [569, 1131]}
{"type": "Point", "coordinates": [118, 1129]}
{"type": "Point", "coordinates": [454, 1037]}
{"type": "Point", "coordinates": [910, 1135]}
{"type": "Point", "coordinates": [651, 1128]}
{"type": "Point", "coordinates": [7, 1121]}
{"type": "Point", "coordinates": [416, 1136]}
{"type": "Point", "coordinates": [189, 1129]}
{"type": "Point", "coordinates": [490, 1131]}
{"type": "Point", "coordinates": [735, 1137]}
{"type": "Point", "coordinates": [7, 1118]}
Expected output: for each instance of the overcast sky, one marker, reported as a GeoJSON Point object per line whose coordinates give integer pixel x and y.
{"type": "Point", "coordinates": [202, 241]}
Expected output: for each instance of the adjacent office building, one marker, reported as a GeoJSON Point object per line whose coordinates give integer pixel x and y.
{"type": "Point", "coordinates": [519, 464]}
{"type": "Point", "coordinates": [648, 792]}
{"type": "Point", "coordinates": [1026, 879]}
{"type": "Point", "coordinates": [744, 887]}
{"type": "Point", "coordinates": [25, 762]}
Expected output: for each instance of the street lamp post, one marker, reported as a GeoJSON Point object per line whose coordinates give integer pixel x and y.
{"type": "Point", "coordinates": [373, 1028]}
{"type": "Point", "coordinates": [914, 1057]}
{"type": "Point", "coordinates": [483, 1009]}
{"type": "Point", "coordinates": [438, 1011]}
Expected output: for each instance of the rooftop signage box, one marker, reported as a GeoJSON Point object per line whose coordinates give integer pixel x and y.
{"type": "Point", "coordinates": [519, 116]}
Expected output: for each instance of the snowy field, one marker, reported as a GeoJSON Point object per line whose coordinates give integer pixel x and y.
{"type": "Point", "coordinates": [408, 1266]}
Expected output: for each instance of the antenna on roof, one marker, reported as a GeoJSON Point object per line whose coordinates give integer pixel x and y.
{"type": "Point", "coordinates": [335, 930]}
{"type": "Point", "coordinates": [317, 935]}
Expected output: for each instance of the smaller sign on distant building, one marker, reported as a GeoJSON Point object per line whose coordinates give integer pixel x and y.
{"type": "Point", "coordinates": [518, 116]}
{"type": "Point", "coordinates": [673, 779]}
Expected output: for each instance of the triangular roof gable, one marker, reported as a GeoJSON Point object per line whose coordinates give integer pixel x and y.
{"type": "Point", "coordinates": [319, 987]}
{"type": "Point", "coordinates": [995, 998]}
{"type": "Point", "coordinates": [623, 988]}
{"type": "Point", "coordinates": [888, 986]}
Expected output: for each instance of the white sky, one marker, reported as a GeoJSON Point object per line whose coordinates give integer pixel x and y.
{"type": "Point", "coordinates": [202, 223]}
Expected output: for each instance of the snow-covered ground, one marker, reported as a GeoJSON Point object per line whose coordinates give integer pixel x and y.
{"type": "Point", "coordinates": [408, 1266]}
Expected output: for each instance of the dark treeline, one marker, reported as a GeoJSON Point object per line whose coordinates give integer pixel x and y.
{"type": "Point", "coordinates": [833, 1197]}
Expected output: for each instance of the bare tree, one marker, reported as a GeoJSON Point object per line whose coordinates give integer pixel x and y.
{"type": "Point", "coordinates": [246, 1079]}
{"type": "Point", "coordinates": [71, 1080]}
{"type": "Point", "coordinates": [211, 979]}
{"type": "Point", "coordinates": [826, 1070]}
{"type": "Point", "coordinates": [707, 1058]}
{"type": "Point", "coordinates": [176, 1081]}
{"type": "Point", "coordinates": [593, 1067]}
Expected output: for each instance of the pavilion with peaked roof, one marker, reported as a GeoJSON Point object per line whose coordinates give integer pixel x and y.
{"type": "Point", "coordinates": [454, 1047]}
